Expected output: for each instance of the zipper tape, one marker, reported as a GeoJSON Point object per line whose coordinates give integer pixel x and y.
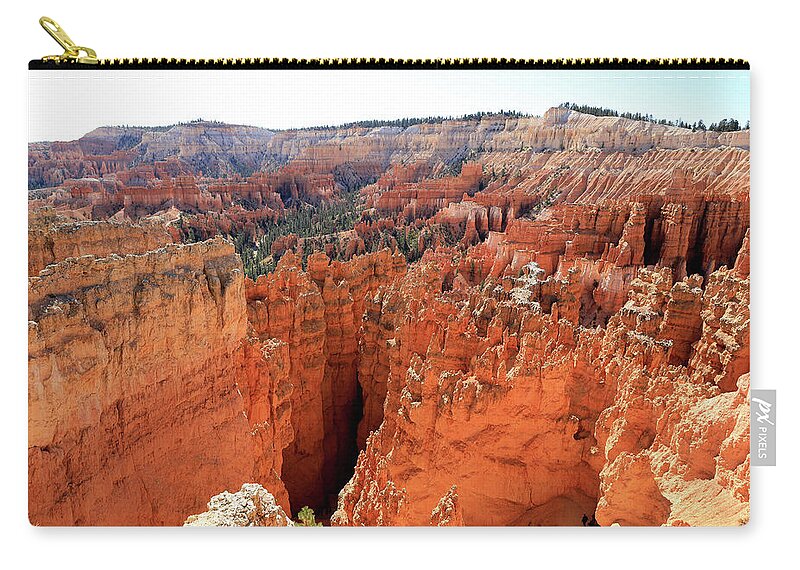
{"type": "Point", "coordinates": [381, 63]}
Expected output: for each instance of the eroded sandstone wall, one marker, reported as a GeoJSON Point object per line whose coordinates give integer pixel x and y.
{"type": "Point", "coordinates": [225, 150]}
{"type": "Point", "coordinates": [146, 395]}
{"type": "Point", "coordinates": [318, 314]}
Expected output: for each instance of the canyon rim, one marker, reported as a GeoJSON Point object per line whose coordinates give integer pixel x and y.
{"type": "Point", "coordinates": [491, 319]}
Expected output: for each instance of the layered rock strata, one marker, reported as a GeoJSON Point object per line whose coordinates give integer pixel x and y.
{"type": "Point", "coordinates": [216, 149]}
{"type": "Point", "coordinates": [51, 242]}
{"type": "Point", "coordinates": [145, 391]}
{"type": "Point", "coordinates": [574, 339]}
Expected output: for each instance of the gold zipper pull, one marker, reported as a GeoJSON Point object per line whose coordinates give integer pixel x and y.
{"type": "Point", "coordinates": [72, 52]}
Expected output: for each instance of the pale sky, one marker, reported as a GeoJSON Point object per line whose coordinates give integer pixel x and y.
{"type": "Point", "coordinates": [64, 105]}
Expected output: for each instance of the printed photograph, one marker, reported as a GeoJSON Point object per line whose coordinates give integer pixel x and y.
{"type": "Point", "coordinates": [372, 297]}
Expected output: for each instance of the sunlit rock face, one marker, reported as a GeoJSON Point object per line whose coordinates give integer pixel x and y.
{"type": "Point", "coordinates": [144, 388]}
{"type": "Point", "coordinates": [592, 358]}
{"type": "Point", "coordinates": [52, 239]}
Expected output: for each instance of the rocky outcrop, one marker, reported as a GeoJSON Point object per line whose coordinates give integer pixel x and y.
{"type": "Point", "coordinates": [211, 148]}
{"type": "Point", "coordinates": [689, 465]}
{"type": "Point", "coordinates": [252, 505]}
{"type": "Point", "coordinates": [145, 391]}
{"type": "Point", "coordinates": [448, 511]}
{"type": "Point", "coordinates": [465, 405]}
{"type": "Point", "coordinates": [451, 141]}
{"type": "Point", "coordinates": [565, 129]}
{"type": "Point", "coordinates": [53, 241]}
{"type": "Point", "coordinates": [355, 153]}
{"type": "Point", "coordinates": [287, 305]}
{"type": "Point", "coordinates": [138, 196]}
{"type": "Point", "coordinates": [52, 163]}
{"type": "Point", "coordinates": [722, 353]}
{"type": "Point", "coordinates": [424, 198]}
{"type": "Point", "coordinates": [676, 439]}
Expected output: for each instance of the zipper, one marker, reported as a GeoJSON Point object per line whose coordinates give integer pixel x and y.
{"type": "Point", "coordinates": [76, 57]}
{"type": "Point", "coordinates": [72, 52]}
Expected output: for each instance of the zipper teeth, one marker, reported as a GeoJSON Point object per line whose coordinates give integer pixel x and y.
{"type": "Point", "coordinates": [364, 62]}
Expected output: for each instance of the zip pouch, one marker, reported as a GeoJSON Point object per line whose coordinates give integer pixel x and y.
{"type": "Point", "coordinates": [382, 292]}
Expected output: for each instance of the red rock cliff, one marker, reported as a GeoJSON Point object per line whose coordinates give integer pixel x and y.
{"type": "Point", "coordinates": [145, 392]}
{"type": "Point", "coordinates": [52, 242]}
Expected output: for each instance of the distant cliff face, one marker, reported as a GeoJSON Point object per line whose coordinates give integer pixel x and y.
{"type": "Point", "coordinates": [232, 179]}
{"type": "Point", "coordinates": [528, 320]}
{"type": "Point", "coordinates": [214, 149]}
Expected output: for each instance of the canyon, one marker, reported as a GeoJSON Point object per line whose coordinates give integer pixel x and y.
{"type": "Point", "coordinates": [495, 321]}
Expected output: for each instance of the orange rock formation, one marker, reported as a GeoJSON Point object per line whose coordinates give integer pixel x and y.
{"type": "Point", "coordinates": [145, 392]}
{"type": "Point", "coordinates": [574, 339]}
{"type": "Point", "coordinates": [318, 313]}
{"type": "Point", "coordinates": [537, 419]}
{"type": "Point", "coordinates": [50, 241]}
